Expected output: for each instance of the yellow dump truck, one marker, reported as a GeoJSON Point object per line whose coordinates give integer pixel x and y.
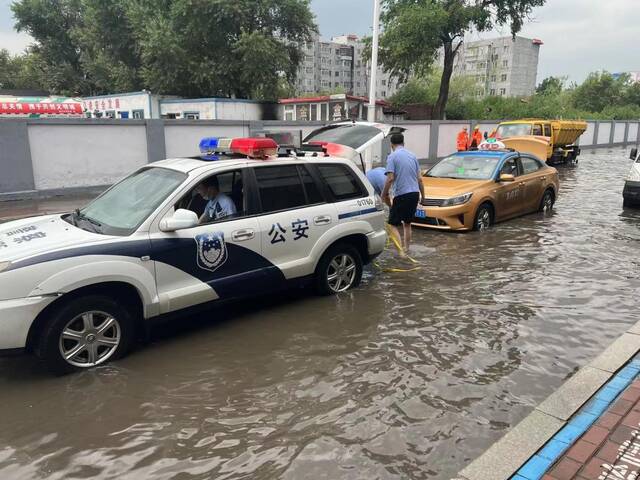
{"type": "Point", "coordinates": [559, 135]}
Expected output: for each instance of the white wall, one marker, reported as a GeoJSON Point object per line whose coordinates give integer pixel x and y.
{"type": "Point", "coordinates": [207, 110]}
{"type": "Point", "coordinates": [618, 136]}
{"type": "Point", "coordinates": [184, 140]}
{"type": "Point", "coordinates": [604, 132]}
{"type": "Point", "coordinates": [239, 111]}
{"type": "Point", "coordinates": [85, 155]}
{"type": "Point", "coordinates": [586, 138]}
{"type": "Point", "coordinates": [633, 132]}
{"type": "Point", "coordinates": [447, 138]}
{"type": "Point", "coordinates": [416, 139]}
{"type": "Point", "coordinates": [127, 103]}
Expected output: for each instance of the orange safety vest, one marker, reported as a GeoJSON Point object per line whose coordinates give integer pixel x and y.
{"type": "Point", "coordinates": [477, 136]}
{"type": "Point", "coordinates": [463, 141]}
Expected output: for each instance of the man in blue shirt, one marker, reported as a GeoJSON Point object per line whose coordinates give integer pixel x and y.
{"type": "Point", "coordinates": [377, 178]}
{"type": "Point", "coordinates": [219, 206]}
{"type": "Point", "coordinates": [405, 179]}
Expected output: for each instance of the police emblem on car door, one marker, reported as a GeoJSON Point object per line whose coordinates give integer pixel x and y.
{"type": "Point", "coordinates": [212, 250]}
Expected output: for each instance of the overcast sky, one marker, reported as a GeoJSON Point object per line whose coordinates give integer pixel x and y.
{"type": "Point", "coordinates": [580, 36]}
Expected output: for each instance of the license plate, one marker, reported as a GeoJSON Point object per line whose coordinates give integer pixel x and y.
{"type": "Point", "coordinates": [421, 214]}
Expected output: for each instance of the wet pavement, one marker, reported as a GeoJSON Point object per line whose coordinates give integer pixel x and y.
{"type": "Point", "coordinates": [410, 376]}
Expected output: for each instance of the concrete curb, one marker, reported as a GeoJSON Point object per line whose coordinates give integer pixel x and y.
{"type": "Point", "coordinates": [505, 457]}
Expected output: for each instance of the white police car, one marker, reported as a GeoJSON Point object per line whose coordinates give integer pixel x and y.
{"type": "Point", "coordinates": [76, 288]}
{"type": "Point", "coordinates": [631, 192]}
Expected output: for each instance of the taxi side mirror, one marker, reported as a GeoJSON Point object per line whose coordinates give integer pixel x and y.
{"type": "Point", "coordinates": [180, 220]}
{"type": "Point", "coordinates": [634, 153]}
{"type": "Point", "coordinates": [506, 177]}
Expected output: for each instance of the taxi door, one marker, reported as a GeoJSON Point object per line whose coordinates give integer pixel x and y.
{"type": "Point", "coordinates": [218, 260]}
{"type": "Point", "coordinates": [510, 194]}
{"type": "Point", "coordinates": [534, 182]}
{"type": "Point", "coordinates": [294, 216]}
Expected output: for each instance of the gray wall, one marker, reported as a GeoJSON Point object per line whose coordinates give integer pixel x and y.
{"type": "Point", "coordinates": [44, 156]}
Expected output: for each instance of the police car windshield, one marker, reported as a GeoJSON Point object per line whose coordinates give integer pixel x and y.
{"type": "Point", "coordinates": [123, 208]}
{"type": "Point", "coordinates": [353, 136]}
{"type": "Point", "coordinates": [466, 167]}
{"type": "Point", "coordinates": [514, 130]}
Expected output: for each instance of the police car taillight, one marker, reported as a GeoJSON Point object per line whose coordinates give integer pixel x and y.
{"type": "Point", "coordinates": [254, 147]}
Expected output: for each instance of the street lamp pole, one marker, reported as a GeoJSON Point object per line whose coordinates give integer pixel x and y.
{"type": "Point", "coordinates": [371, 114]}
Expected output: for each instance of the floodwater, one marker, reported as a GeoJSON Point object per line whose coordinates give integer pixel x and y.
{"type": "Point", "coordinates": [411, 376]}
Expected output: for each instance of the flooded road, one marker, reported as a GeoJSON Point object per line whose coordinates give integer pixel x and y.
{"type": "Point", "coordinates": [410, 376]}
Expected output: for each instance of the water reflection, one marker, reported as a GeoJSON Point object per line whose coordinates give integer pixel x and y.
{"type": "Point", "coordinates": [411, 376]}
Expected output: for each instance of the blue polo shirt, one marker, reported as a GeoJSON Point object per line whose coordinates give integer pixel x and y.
{"type": "Point", "coordinates": [406, 170]}
{"type": "Point", "coordinates": [377, 177]}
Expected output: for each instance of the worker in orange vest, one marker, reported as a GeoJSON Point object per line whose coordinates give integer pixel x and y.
{"type": "Point", "coordinates": [463, 140]}
{"type": "Point", "coordinates": [476, 138]}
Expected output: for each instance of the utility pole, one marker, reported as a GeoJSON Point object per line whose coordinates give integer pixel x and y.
{"type": "Point", "coordinates": [371, 114]}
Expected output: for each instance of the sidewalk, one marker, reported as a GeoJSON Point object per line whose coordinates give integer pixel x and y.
{"type": "Point", "coordinates": [589, 429]}
{"type": "Point", "coordinates": [15, 209]}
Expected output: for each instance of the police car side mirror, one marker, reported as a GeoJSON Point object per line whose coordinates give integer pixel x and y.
{"type": "Point", "coordinates": [505, 177]}
{"type": "Point", "coordinates": [180, 220]}
{"type": "Point", "coordinates": [634, 153]}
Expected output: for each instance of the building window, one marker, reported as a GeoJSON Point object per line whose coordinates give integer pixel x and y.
{"type": "Point", "coordinates": [337, 74]}
{"type": "Point", "coordinates": [503, 91]}
{"type": "Point", "coordinates": [123, 114]}
{"type": "Point", "coordinates": [493, 92]}
{"type": "Point", "coordinates": [503, 78]}
{"type": "Point", "coordinates": [384, 83]}
{"type": "Point", "coordinates": [505, 63]}
{"type": "Point", "coordinates": [137, 114]}
{"type": "Point", "coordinates": [384, 94]}
{"type": "Point", "coordinates": [191, 115]}
{"type": "Point", "coordinates": [493, 78]}
{"type": "Point", "coordinates": [289, 113]}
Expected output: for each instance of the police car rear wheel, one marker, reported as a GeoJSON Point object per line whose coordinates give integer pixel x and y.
{"type": "Point", "coordinates": [339, 270]}
{"type": "Point", "coordinates": [84, 333]}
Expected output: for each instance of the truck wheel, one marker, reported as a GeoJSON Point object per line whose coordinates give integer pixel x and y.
{"type": "Point", "coordinates": [484, 218]}
{"type": "Point", "coordinates": [84, 333]}
{"type": "Point", "coordinates": [547, 201]}
{"type": "Point", "coordinates": [339, 270]}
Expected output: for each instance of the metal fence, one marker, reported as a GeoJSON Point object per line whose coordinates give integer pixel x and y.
{"type": "Point", "coordinates": [41, 157]}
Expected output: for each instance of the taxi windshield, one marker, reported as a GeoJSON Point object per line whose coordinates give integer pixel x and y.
{"type": "Point", "coordinates": [465, 167]}
{"type": "Point", "coordinates": [514, 130]}
{"type": "Point", "coordinates": [123, 208]}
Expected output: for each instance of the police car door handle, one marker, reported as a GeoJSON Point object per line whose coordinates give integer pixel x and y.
{"type": "Point", "coordinates": [242, 235]}
{"type": "Point", "coordinates": [322, 220]}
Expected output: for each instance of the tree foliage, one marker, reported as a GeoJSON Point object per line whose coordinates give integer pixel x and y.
{"type": "Point", "coordinates": [600, 96]}
{"type": "Point", "coordinates": [242, 48]}
{"type": "Point", "coordinates": [416, 30]}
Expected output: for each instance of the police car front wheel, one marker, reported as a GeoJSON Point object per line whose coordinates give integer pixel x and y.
{"type": "Point", "coordinates": [84, 333]}
{"type": "Point", "coordinates": [339, 270]}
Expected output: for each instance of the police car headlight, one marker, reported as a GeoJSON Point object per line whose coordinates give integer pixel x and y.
{"type": "Point", "coordinates": [462, 199]}
{"type": "Point", "coordinates": [4, 266]}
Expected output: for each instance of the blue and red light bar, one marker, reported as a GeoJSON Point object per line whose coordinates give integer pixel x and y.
{"type": "Point", "coordinates": [258, 148]}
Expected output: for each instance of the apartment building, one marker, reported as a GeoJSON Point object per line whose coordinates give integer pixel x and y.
{"type": "Point", "coordinates": [504, 66]}
{"type": "Point", "coordinates": [340, 65]}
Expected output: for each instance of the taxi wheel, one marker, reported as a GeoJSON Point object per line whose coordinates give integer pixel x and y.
{"type": "Point", "coordinates": [339, 270]}
{"type": "Point", "coordinates": [484, 218]}
{"type": "Point", "coordinates": [84, 333]}
{"type": "Point", "coordinates": [547, 202]}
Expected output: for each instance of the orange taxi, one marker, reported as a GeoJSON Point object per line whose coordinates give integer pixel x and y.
{"type": "Point", "coordinates": [473, 190]}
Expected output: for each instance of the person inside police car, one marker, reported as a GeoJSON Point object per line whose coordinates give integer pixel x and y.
{"type": "Point", "coordinates": [219, 205]}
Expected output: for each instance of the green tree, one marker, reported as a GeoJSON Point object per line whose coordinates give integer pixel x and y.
{"type": "Point", "coordinates": [600, 90]}
{"type": "Point", "coordinates": [415, 31]}
{"type": "Point", "coordinates": [551, 86]}
{"type": "Point", "coordinates": [241, 48]}
{"type": "Point", "coordinates": [56, 56]}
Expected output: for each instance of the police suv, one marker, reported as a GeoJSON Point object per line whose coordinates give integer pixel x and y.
{"type": "Point", "coordinates": [75, 289]}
